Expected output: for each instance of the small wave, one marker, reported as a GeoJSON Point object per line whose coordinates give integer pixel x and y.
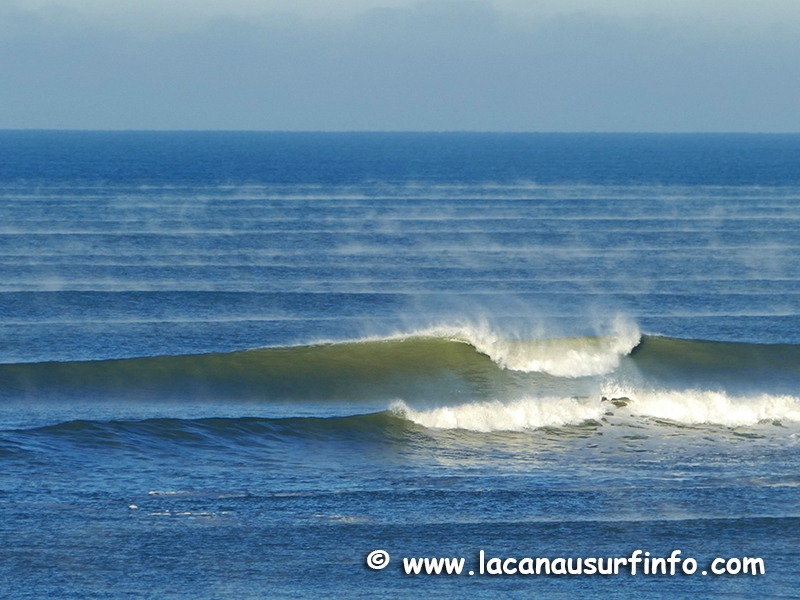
{"type": "Point", "coordinates": [520, 415]}
{"type": "Point", "coordinates": [249, 432]}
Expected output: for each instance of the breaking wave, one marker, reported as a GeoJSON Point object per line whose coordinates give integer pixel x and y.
{"type": "Point", "coordinates": [713, 407]}
{"type": "Point", "coordinates": [694, 407]}
{"type": "Point", "coordinates": [445, 362]}
{"type": "Point", "coordinates": [456, 366]}
{"type": "Point", "coordinates": [561, 357]}
{"type": "Point", "coordinates": [496, 416]}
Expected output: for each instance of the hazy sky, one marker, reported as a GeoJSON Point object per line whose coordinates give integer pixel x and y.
{"type": "Point", "coordinates": [510, 65]}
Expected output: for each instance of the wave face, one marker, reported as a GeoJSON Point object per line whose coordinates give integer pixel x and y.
{"type": "Point", "coordinates": [474, 356]}
{"type": "Point", "coordinates": [469, 379]}
{"type": "Point", "coordinates": [443, 362]}
{"type": "Point", "coordinates": [356, 370]}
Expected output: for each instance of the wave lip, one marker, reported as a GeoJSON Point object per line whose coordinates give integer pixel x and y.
{"type": "Point", "coordinates": [521, 415]}
{"type": "Point", "coordinates": [561, 357]}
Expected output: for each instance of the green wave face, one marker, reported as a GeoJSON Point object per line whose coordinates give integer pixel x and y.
{"type": "Point", "coordinates": [434, 368]}
{"type": "Point", "coordinates": [672, 355]}
{"type": "Point", "coordinates": [377, 369]}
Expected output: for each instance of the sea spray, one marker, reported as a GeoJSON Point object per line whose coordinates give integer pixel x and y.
{"type": "Point", "coordinates": [558, 356]}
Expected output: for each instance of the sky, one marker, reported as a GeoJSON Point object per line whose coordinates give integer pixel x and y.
{"type": "Point", "coordinates": [435, 65]}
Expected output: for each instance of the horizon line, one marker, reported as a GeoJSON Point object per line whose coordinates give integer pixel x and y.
{"type": "Point", "coordinates": [386, 131]}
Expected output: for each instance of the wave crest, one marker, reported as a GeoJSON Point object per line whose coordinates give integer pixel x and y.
{"type": "Point", "coordinates": [710, 407]}
{"type": "Point", "coordinates": [484, 417]}
{"type": "Point", "coordinates": [562, 357]}
{"type": "Point", "coordinates": [689, 407]}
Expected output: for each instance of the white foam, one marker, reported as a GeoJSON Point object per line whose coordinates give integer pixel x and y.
{"type": "Point", "coordinates": [528, 413]}
{"type": "Point", "coordinates": [688, 406]}
{"type": "Point", "coordinates": [701, 406]}
{"type": "Point", "coordinates": [562, 357]}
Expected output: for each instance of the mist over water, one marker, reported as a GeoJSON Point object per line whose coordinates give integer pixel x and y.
{"type": "Point", "coordinates": [210, 268]}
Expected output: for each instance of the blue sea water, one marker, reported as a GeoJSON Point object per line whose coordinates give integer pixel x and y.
{"type": "Point", "coordinates": [235, 364]}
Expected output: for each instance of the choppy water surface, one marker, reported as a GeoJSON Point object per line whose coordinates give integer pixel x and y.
{"type": "Point", "coordinates": [235, 364]}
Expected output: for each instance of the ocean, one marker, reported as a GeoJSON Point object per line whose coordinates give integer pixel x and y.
{"type": "Point", "coordinates": [303, 365]}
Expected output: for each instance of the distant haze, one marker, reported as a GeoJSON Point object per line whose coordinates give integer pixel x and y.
{"type": "Point", "coordinates": [508, 65]}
